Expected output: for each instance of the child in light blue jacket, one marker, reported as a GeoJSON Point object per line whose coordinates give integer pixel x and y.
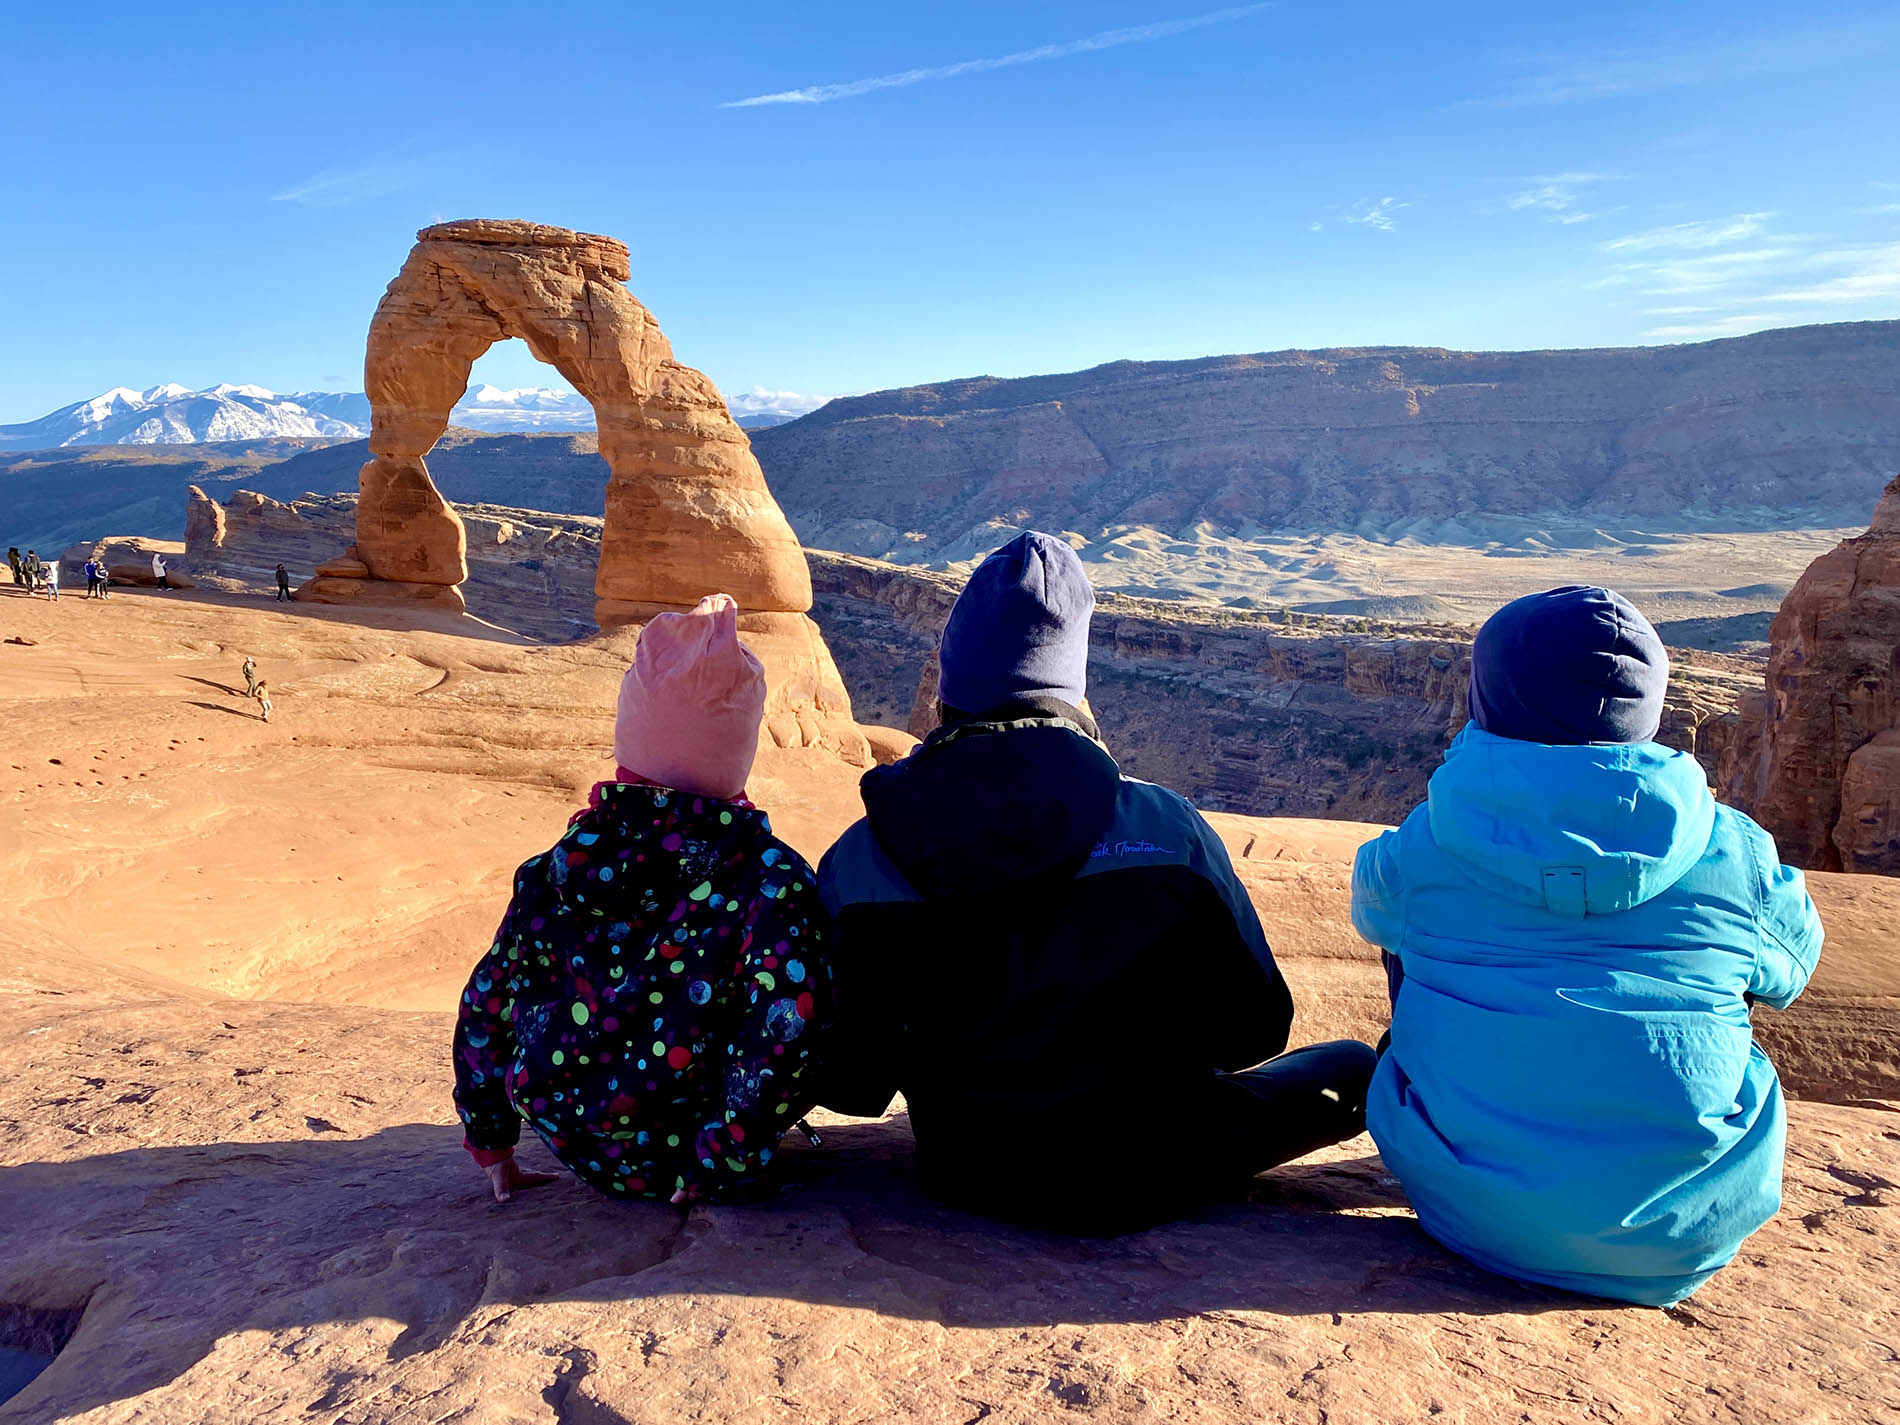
{"type": "Point", "coordinates": [1575, 931]}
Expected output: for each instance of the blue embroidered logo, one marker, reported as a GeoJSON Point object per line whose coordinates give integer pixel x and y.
{"type": "Point", "coordinates": [1128, 848]}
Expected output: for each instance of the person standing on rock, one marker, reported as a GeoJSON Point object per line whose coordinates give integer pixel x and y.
{"type": "Point", "coordinates": [659, 987]}
{"type": "Point", "coordinates": [262, 693]}
{"type": "Point", "coordinates": [1054, 963]}
{"type": "Point", "coordinates": [1575, 931]}
{"type": "Point", "coordinates": [158, 570]}
{"type": "Point", "coordinates": [250, 676]}
{"type": "Point", "coordinates": [31, 567]}
{"type": "Point", "coordinates": [13, 560]}
{"type": "Point", "coordinates": [51, 573]}
{"type": "Point", "coordinates": [283, 584]}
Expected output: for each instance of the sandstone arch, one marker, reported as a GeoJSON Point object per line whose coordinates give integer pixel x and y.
{"type": "Point", "coordinates": [688, 511]}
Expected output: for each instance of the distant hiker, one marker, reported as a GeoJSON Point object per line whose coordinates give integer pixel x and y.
{"type": "Point", "coordinates": [250, 676]}
{"type": "Point", "coordinates": [660, 984]}
{"type": "Point", "coordinates": [1054, 963]}
{"type": "Point", "coordinates": [158, 570]}
{"type": "Point", "coordinates": [1575, 930]}
{"type": "Point", "coordinates": [92, 571]}
{"type": "Point", "coordinates": [31, 567]}
{"type": "Point", "coordinates": [51, 575]}
{"type": "Point", "coordinates": [283, 584]}
{"type": "Point", "coordinates": [13, 561]}
{"type": "Point", "coordinates": [262, 693]}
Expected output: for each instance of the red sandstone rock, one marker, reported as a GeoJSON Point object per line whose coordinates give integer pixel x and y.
{"type": "Point", "coordinates": [1817, 758]}
{"type": "Point", "coordinates": [688, 512]}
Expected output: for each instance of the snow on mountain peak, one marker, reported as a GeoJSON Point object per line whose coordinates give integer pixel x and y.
{"type": "Point", "coordinates": [172, 414]}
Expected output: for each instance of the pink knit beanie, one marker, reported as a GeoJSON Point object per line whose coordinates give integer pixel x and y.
{"type": "Point", "coordinates": [691, 704]}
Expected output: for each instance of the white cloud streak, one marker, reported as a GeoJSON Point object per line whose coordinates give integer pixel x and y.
{"type": "Point", "coordinates": [1107, 39]}
{"type": "Point", "coordinates": [1741, 324]}
{"type": "Point", "coordinates": [1875, 276]}
{"type": "Point", "coordinates": [1374, 215]}
{"type": "Point", "coordinates": [337, 188]}
{"type": "Point", "coordinates": [1714, 232]}
{"type": "Point", "coordinates": [340, 186]}
{"type": "Point", "coordinates": [1547, 80]}
{"type": "Point", "coordinates": [1555, 192]}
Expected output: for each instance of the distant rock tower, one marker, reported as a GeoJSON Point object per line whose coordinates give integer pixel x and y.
{"type": "Point", "coordinates": [688, 511]}
{"type": "Point", "coordinates": [1816, 757]}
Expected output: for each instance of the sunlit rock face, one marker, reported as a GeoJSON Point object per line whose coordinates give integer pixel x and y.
{"type": "Point", "coordinates": [1816, 753]}
{"type": "Point", "coordinates": [687, 509]}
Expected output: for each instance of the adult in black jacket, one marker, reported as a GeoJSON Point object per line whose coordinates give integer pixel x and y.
{"type": "Point", "coordinates": [1054, 963]}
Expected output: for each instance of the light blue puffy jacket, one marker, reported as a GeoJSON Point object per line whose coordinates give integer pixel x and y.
{"type": "Point", "coordinates": [1573, 1094]}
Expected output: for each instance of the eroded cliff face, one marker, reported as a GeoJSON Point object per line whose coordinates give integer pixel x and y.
{"type": "Point", "coordinates": [1237, 711]}
{"type": "Point", "coordinates": [1815, 753]}
{"type": "Point", "coordinates": [1783, 428]}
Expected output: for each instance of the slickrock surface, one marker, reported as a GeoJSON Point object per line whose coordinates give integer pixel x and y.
{"type": "Point", "coordinates": [267, 1216]}
{"type": "Point", "coordinates": [1816, 754]}
{"type": "Point", "coordinates": [687, 510]}
{"type": "Point", "coordinates": [227, 1153]}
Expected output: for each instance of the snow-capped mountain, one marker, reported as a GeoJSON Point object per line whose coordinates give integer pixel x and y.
{"type": "Point", "coordinates": [761, 407]}
{"type": "Point", "coordinates": [488, 407]}
{"type": "Point", "coordinates": [177, 415]}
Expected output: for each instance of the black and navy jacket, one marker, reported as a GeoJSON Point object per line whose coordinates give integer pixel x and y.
{"type": "Point", "coordinates": [1051, 962]}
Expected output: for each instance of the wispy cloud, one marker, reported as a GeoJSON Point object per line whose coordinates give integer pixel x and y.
{"type": "Point", "coordinates": [1867, 276]}
{"type": "Point", "coordinates": [1878, 208]}
{"type": "Point", "coordinates": [1368, 213]}
{"type": "Point", "coordinates": [1739, 324]}
{"type": "Point", "coordinates": [1873, 275]}
{"type": "Point", "coordinates": [339, 186]}
{"type": "Point", "coordinates": [1555, 196]}
{"type": "Point", "coordinates": [1711, 273]}
{"type": "Point", "coordinates": [1555, 192]}
{"type": "Point", "coordinates": [1107, 39]}
{"type": "Point", "coordinates": [1543, 80]}
{"type": "Point", "coordinates": [336, 188]}
{"type": "Point", "coordinates": [1714, 232]}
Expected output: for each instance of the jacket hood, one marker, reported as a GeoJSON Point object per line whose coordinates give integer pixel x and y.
{"type": "Point", "coordinates": [1580, 830]}
{"type": "Point", "coordinates": [984, 802]}
{"type": "Point", "coordinates": [591, 867]}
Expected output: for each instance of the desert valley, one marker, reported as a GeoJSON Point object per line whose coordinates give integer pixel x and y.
{"type": "Point", "coordinates": [235, 1182]}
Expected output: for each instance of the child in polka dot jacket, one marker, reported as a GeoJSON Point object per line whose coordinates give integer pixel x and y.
{"type": "Point", "coordinates": [656, 994]}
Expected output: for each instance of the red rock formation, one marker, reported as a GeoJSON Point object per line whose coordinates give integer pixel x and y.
{"type": "Point", "coordinates": [688, 512]}
{"type": "Point", "coordinates": [1816, 755]}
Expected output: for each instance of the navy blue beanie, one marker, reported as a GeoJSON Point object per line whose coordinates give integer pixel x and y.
{"type": "Point", "coordinates": [1569, 666]}
{"type": "Point", "coordinates": [1020, 629]}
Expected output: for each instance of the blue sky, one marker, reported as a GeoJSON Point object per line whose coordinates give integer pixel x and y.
{"type": "Point", "coordinates": [199, 193]}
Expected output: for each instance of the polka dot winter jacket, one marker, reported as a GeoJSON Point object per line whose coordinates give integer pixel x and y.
{"type": "Point", "coordinates": [654, 999]}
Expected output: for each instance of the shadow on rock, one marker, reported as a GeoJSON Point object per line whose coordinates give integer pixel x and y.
{"type": "Point", "coordinates": [172, 1249]}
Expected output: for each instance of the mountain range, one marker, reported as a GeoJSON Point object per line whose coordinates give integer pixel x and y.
{"type": "Point", "coordinates": [1217, 478]}
{"type": "Point", "coordinates": [172, 414]}
{"type": "Point", "coordinates": [1795, 428]}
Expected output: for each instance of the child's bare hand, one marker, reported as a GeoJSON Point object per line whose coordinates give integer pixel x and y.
{"type": "Point", "coordinates": [509, 1175]}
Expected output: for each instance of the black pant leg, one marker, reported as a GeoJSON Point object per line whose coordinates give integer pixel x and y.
{"type": "Point", "coordinates": [1304, 1100]}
